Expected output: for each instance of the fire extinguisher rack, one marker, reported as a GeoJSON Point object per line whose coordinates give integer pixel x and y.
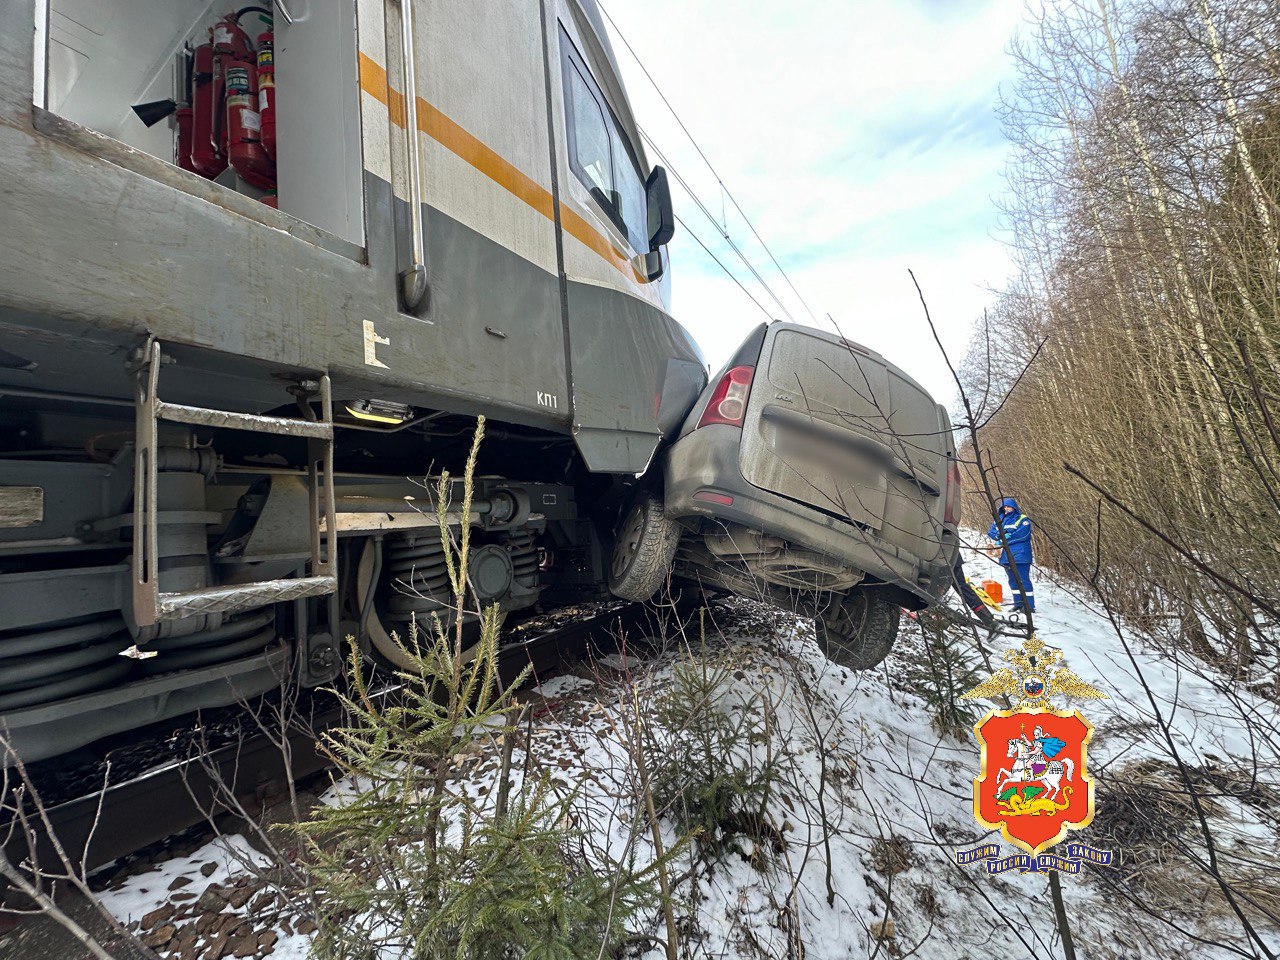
{"type": "Point", "coordinates": [150, 604]}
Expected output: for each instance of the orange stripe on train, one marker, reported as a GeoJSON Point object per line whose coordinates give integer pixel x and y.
{"type": "Point", "coordinates": [460, 141]}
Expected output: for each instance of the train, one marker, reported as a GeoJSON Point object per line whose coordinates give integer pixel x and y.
{"type": "Point", "coordinates": [222, 356]}
{"type": "Point", "coordinates": [261, 269]}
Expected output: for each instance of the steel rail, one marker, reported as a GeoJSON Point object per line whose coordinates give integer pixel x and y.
{"type": "Point", "coordinates": [104, 825]}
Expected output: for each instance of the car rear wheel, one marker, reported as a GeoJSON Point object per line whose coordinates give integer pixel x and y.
{"type": "Point", "coordinates": [643, 550]}
{"type": "Point", "coordinates": [858, 630]}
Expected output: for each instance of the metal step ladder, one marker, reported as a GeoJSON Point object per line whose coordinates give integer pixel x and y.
{"type": "Point", "coordinates": [149, 603]}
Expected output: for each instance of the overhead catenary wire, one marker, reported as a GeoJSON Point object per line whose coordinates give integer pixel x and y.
{"type": "Point", "coordinates": [685, 227]}
{"type": "Point", "coordinates": [707, 213]}
{"type": "Point", "coordinates": [719, 224]}
{"type": "Point", "coordinates": [719, 180]}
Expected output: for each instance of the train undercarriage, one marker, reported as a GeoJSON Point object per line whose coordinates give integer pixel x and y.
{"type": "Point", "coordinates": [160, 557]}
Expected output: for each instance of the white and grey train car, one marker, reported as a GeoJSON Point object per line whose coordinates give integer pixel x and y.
{"type": "Point", "coordinates": [260, 265]}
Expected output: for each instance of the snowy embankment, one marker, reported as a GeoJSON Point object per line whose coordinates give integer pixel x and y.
{"type": "Point", "coordinates": [869, 806]}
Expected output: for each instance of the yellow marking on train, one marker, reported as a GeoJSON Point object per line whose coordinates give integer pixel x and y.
{"type": "Point", "coordinates": [460, 141]}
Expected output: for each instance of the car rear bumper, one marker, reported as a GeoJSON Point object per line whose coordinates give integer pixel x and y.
{"type": "Point", "coordinates": [706, 461]}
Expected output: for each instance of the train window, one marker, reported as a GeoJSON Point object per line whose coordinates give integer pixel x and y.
{"type": "Point", "coordinates": [629, 186]}
{"type": "Point", "coordinates": [588, 137]}
{"type": "Point", "coordinates": [599, 153]}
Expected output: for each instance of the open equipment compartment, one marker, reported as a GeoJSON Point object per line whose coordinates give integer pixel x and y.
{"type": "Point", "coordinates": [262, 99]}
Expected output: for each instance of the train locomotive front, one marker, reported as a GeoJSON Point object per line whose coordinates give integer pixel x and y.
{"type": "Point", "coordinates": [260, 269]}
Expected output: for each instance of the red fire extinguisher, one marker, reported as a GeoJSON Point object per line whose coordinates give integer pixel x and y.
{"type": "Point", "coordinates": [244, 126]}
{"type": "Point", "coordinates": [267, 91]}
{"type": "Point", "coordinates": [183, 113]}
{"type": "Point", "coordinates": [234, 56]}
{"type": "Point", "coordinates": [228, 107]}
{"type": "Point", "coordinates": [206, 152]}
{"type": "Point", "coordinates": [182, 151]}
{"type": "Point", "coordinates": [230, 42]}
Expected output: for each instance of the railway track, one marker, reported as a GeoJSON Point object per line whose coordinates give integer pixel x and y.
{"type": "Point", "coordinates": [114, 819]}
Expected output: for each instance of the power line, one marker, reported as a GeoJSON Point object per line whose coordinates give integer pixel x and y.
{"type": "Point", "coordinates": [724, 233]}
{"type": "Point", "coordinates": [720, 227]}
{"type": "Point", "coordinates": [714, 173]}
{"type": "Point", "coordinates": [684, 226]}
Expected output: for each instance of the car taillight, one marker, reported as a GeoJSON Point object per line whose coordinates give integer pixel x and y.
{"type": "Point", "coordinates": [951, 514]}
{"type": "Point", "coordinates": [729, 401]}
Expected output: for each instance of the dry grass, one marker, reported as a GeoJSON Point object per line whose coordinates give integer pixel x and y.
{"type": "Point", "coordinates": [891, 856]}
{"type": "Point", "coordinates": [1147, 816]}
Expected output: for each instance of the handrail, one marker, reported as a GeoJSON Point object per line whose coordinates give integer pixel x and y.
{"type": "Point", "coordinates": [413, 281]}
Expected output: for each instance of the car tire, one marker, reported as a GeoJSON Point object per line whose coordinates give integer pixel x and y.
{"type": "Point", "coordinates": [857, 630]}
{"type": "Point", "coordinates": [643, 549]}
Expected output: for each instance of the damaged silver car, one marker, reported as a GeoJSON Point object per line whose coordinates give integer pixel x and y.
{"type": "Point", "coordinates": [814, 474]}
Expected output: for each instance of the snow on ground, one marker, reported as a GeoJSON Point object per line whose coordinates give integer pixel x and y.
{"type": "Point", "coordinates": [865, 865]}
{"type": "Point", "coordinates": [1190, 697]}
{"type": "Point", "coordinates": [213, 863]}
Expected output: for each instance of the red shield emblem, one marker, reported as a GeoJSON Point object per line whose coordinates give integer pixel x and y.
{"type": "Point", "coordinates": [1033, 785]}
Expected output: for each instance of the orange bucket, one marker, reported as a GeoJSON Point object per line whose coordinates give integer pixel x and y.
{"type": "Point", "coordinates": [994, 589]}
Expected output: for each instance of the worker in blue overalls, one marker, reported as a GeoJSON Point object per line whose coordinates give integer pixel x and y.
{"type": "Point", "coordinates": [1015, 556]}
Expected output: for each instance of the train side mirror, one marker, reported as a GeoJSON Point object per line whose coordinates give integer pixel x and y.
{"type": "Point", "coordinates": [662, 219]}
{"type": "Point", "coordinates": [653, 265]}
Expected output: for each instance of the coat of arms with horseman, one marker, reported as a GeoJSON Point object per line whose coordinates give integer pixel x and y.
{"type": "Point", "coordinates": [1033, 785]}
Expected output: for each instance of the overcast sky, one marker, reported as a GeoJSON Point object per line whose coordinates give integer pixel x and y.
{"type": "Point", "coordinates": [860, 137]}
